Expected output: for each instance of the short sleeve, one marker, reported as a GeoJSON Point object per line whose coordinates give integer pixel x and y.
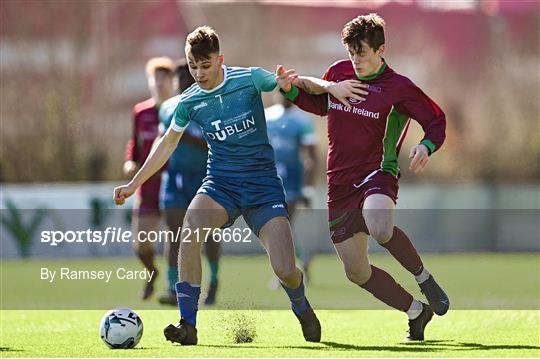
{"type": "Point", "coordinates": [181, 118]}
{"type": "Point", "coordinates": [263, 80]}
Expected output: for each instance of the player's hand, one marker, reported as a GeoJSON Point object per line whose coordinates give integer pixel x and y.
{"type": "Point", "coordinates": [420, 158]}
{"type": "Point", "coordinates": [348, 89]}
{"type": "Point", "coordinates": [285, 78]}
{"type": "Point", "coordinates": [121, 193]}
{"type": "Point", "coordinates": [130, 168]}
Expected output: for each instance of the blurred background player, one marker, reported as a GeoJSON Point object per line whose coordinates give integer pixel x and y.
{"type": "Point", "coordinates": [185, 172]}
{"type": "Point", "coordinates": [292, 135]}
{"type": "Point", "coordinates": [145, 216]}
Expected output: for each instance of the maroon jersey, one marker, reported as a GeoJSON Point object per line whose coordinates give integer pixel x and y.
{"type": "Point", "coordinates": [145, 131]}
{"type": "Point", "coordinates": [368, 136]}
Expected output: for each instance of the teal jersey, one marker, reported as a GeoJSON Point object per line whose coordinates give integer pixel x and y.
{"type": "Point", "coordinates": [187, 157]}
{"type": "Point", "coordinates": [289, 129]}
{"type": "Point", "coordinates": [232, 120]}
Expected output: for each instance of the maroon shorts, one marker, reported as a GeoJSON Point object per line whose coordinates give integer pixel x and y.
{"type": "Point", "coordinates": [345, 203]}
{"type": "Point", "coordinates": [147, 196]}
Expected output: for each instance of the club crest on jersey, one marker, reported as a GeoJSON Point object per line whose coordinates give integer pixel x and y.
{"type": "Point", "coordinates": [373, 88]}
{"type": "Point", "coordinates": [354, 101]}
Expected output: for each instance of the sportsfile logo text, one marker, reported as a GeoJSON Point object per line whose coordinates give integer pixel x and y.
{"type": "Point", "coordinates": [117, 235]}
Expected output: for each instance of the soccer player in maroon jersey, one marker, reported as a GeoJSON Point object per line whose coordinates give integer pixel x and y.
{"type": "Point", "coordinates": [145, 217]}
{"type": "Point", "coordinates": [365, 137]}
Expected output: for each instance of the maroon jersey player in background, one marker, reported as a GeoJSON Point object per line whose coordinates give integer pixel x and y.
{"type": "Point", "coordinates": [145, 217]}
{"type": "Point", "coordinates": [365, 136]}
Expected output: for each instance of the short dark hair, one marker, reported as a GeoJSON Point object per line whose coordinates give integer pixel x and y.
{"type": "Point", "coordinates": [367, 28]}
{"type": "Point", "coordinates": [183, 75]}
{"type": "Point", "coordinates": [202, 42]}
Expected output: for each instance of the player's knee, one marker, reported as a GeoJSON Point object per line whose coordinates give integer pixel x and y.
{"type": "Point", "coordinates": [192, 223]}
{"type": "Point", "coordinates": [358, 275]}
{"type": "Point", "coordinates": [286, 273]}
{"type": "Point", "coordinates": [381, 234]}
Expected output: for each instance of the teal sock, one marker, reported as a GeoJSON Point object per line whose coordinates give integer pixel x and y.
{"type": "Point", "coordinates": [299, 302]}
{"type": "Point", "coordinates": [214, 267]}
{"type": "Point", "coordinates": [172, 277]}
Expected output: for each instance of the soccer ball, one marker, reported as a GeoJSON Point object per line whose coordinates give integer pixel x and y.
{"type": "Point", "coordinates": [121, 328]}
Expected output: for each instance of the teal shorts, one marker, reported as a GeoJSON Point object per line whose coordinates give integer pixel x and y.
{"type": "Point", "coordinates": [258, 199]}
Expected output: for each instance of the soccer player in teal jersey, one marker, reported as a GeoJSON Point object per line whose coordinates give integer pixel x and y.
{"type": "Point", "coordinates": [185, 172]}
{"type": "Point", "coordinates": [241, 177]}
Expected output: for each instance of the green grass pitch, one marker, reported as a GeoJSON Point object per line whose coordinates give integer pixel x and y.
{"type": "Point", "coordinates": [475, 327]}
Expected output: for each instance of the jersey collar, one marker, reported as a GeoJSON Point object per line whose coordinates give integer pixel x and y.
{"type": "Point", "coordinates": [224, 68]}
{"type": "Point", "coordinates": [372, 76]}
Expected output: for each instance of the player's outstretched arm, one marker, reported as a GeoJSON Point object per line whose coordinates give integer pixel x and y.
{"type": "Point", "coordinates": [316, 104]}
{"type": "Point", "coordinates": [159, 155]}
{"type": "Point", "coordinates": [340, 90]}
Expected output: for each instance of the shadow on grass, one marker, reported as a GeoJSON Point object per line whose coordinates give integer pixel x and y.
{"type": "Point", "coordinates": [472, 346]}
{"type": "Point", "coordinates": [7, 349]}
{"type": "Point", "coordinates": [249, 346]}
{"type": "Point", "coordinates": [428, 346]}
{"type": "Point", "coordinates": [390, 348]}
{"type": "Point", "coordinates": [327, 346]}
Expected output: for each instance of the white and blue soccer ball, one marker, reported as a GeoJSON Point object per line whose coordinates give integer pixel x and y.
{"type": "Point", "coordinates": [121, 328]}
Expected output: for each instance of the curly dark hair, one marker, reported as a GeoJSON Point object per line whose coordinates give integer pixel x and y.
{"type": "Point", "coordinates": [367, 28]}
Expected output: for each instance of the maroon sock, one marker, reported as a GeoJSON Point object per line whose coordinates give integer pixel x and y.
{"type": "Point", "coordinates": [387, 290]}
{"type": "Point", "coordinates": [401, 248]}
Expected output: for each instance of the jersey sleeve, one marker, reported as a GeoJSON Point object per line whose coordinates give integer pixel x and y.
{"type": "Point", "coordinates": [316, 104]}
{"type": "Point", "coordinates": [131, 146]}
{"type": "Point", "coordinates": [263, 80]}
{"type": "Point", "coordinates": [415, 104]}
{"type": "Point", "coordinates": [181, 118]}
